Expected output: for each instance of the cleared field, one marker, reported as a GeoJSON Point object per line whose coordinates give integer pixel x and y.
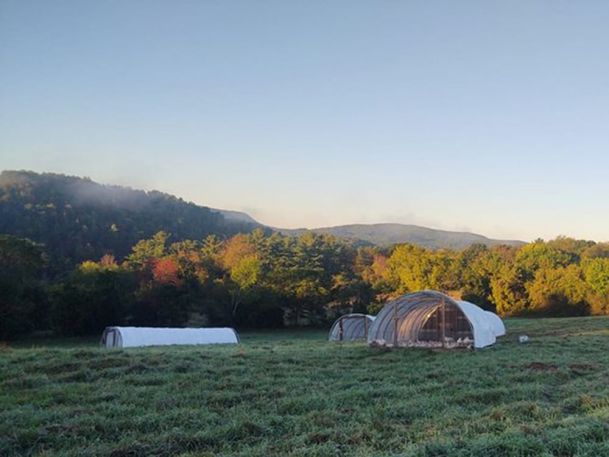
{"type": "Point", "coordinates": [294, 394]}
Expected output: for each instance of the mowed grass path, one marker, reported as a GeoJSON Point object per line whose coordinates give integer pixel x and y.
{"type": "Point", "coordinates": [294, 394]}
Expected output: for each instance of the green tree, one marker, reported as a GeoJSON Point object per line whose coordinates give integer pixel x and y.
{"type": "Point", "coordinates": [478, 265]}
{"type": "Point", "coordinates": [559, 292]}
{"type": "Point", "coordinates": [145, 250]}
{"type": "Point", "coordinates": [244, 275]}
{"type": "Point", "coordinates": [540, 255]}
{"type": "Point", "coordinates": [596, 273]}
{"type": "Point", "coordinates": [508, 291]}
{"type": "Point", "coordinates": [414, 268]}
{"type": "Point", "coordinates": [22, 303]}
{"type": "Point", "coordinates": [93, 297]}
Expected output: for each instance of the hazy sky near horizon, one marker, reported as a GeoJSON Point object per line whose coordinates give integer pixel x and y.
{"type": "Point", "coordinates": [482, 115]}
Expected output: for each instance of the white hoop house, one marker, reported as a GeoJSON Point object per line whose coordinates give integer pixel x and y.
{"type": "Point", "coordinates": [351, 327]}
{"type": "Point", "coordinates": [127, 337]}
{"type": "Point", "coordinates": [433, 319]}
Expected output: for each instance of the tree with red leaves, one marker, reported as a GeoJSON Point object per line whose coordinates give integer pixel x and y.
{"type": "Point", "coordinates": [165, 271]}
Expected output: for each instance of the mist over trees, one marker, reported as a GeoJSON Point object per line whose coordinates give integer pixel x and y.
{"type": "Point", "coordinates": [77, 219]}
{"type": "Point", "coordinates": [269, 280]}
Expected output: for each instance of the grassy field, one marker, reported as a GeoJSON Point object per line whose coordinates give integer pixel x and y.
{"type": "Point", "coordinates": [294, 394]}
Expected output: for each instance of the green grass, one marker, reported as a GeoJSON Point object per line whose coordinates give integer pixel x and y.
{"type": "Point", "coordinates": [294, 394]}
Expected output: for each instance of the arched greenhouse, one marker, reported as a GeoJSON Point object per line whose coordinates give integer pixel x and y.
{"type": "Point", "coordinates": [433, 319]}
{"type": "Point", "coordinates": [351, 327]}
{"type": "Point", "coordinates": [126, 337]}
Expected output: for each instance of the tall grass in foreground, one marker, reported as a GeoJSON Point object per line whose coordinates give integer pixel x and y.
{"type": "Point", "coordinates": [294, 394]}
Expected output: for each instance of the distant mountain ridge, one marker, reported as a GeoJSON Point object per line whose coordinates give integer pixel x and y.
{"type": "Point", "coordinates": [390, 233]}
{"type": "Point", "coordinates": [78, 219]}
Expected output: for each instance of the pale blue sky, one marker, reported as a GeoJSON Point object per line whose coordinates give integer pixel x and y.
{"type": "Point", "coordinates": [490, 116]}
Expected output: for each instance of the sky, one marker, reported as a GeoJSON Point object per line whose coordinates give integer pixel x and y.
{"type": "Point", "coordinates": [487, 116]}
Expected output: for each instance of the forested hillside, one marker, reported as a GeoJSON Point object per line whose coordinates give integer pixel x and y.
{"type": "Point", "coordinates": [77, 219]}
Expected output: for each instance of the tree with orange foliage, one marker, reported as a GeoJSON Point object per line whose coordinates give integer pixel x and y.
{"type": "Point", "coordinates": [165, 271]}
{"type": "Point", "coordinates": [236, 249]}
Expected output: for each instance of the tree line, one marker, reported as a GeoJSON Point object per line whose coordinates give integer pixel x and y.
{"type": "Point", "coordinates": [269, 280]}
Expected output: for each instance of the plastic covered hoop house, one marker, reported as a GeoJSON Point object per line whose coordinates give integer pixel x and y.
{"type": "Point", "coordinates": [351, 327]}
{"type": "Point", "coordinates": [125, 337]}
{"type": "Point", "coordinates": [433, 319]}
